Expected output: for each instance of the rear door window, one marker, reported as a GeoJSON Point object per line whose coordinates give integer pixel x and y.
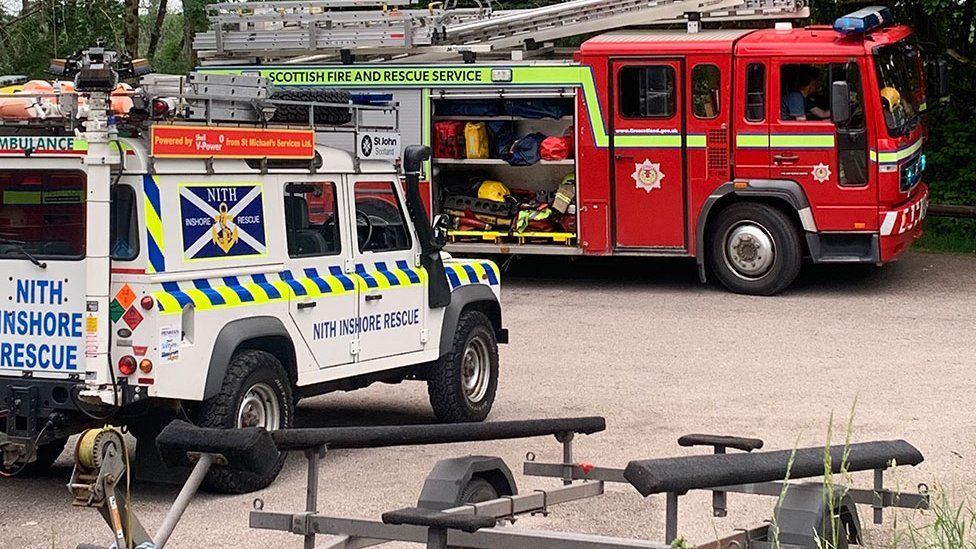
{"type": "Point", "coordinates": [42, 213]}
{"type": "Point", "coordinates": [311, 219]}
{"type": "Point", "coordinates": [124, 231]}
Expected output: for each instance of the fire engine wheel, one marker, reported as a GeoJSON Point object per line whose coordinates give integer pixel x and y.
{"type": "Point", "coordinates": [754, 249]}
{"type": "Point", "coordinates": [299, 113]}
{"type": "Point", "coordinates": [256, 393]}
{"type": "Point", "coordinates": [462, 383]}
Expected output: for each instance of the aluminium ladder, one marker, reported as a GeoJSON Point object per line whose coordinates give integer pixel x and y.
{"type": "Point", "coordinates": [282, 29]}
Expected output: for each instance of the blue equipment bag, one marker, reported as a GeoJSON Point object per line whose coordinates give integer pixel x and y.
{"type": "Point", "coordinates": [525, 151]}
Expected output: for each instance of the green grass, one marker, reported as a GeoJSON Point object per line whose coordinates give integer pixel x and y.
{"type": "Point", "coordinates": [948, 235]}
{"type": "Point", "coordinates": [949, 523]}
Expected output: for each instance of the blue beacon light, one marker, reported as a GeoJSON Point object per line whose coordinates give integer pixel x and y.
{"type": "Point", "coordinates": [864, 20]}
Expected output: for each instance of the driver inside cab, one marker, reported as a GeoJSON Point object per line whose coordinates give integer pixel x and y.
{"type": "Point", "coordinates": [798, 103]}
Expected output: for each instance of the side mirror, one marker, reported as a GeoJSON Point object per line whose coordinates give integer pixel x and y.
{"type": "Point", "coordinates": [840, 102]}
{"type": "Point", "coordinates": [442, 223]}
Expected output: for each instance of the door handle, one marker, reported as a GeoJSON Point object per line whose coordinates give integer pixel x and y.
{"type": "Point", "coordinates": [307, 305]}
{"type": "Point", "coordinates": [786, 158]}
{"type": "Point", "coordinates": [374, 297]}
{"type": "Point", "coordinates": [623, 157]}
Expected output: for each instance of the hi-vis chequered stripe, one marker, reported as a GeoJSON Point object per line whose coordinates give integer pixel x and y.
{"type": "Point", "coordinates": [236, 291]}
{"type": "Point", "coordinates": [463, 273]}
{"type": "Point", "coordinates": [154, 225]}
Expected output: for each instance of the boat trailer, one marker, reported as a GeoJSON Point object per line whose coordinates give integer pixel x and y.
{"type": "Point", "coordinates": [466, 501]}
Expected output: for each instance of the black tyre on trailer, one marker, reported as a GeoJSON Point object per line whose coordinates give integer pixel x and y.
{"type": "Point", "coordinates": [256, 392]}
{"type": "Point", "coordinates": [299, 113]}
{"type": "Point", "coordinates": [477, 490]}
{"type": "Point", "coordinates": [462, 383]}
{"type": "Point", "coordinates": [754, 249]}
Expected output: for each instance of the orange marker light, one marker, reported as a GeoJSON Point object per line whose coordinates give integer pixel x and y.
{"type": "Point", "coordinates": [145, 366]}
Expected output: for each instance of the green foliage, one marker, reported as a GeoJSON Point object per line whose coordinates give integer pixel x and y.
{"type": "Point", "coordinates": [168, 57]}
{"type": "Point", "coordinates": [56, 29]}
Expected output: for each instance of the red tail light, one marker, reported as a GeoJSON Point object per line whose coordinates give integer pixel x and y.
{"type": "Point", "coordinates": [127, 365]}
{"type": "Point", "coordinates": [147, 302]}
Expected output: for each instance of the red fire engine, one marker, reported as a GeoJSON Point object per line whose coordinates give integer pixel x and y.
{"type": "Point", "coordinates": [746, 149]}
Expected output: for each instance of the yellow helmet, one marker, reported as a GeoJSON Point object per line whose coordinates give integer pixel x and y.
{"type": "Point", "coordinates": [892, 96]}
{"type": "Point", "coordinates": [493, 190]}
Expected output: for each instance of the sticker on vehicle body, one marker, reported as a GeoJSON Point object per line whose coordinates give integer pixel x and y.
{"type": "Point", "coordinates": [222, 220]}
{"type": "Point", "coordinates": [821, 173]}
{"type": "Point", "coordinates": [648, 175]}
{"type": "Point", "coordinates": [169, 343]}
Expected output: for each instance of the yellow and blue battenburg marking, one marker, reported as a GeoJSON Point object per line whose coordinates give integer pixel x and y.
{"type": "Point", "coordinates": [236, 291]}
{"type": "Point", "coordinates": [461, 274]}
{"type": "Point", "coordinates": [154, 225]}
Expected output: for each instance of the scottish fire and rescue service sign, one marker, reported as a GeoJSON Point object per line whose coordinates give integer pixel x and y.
{"type": "Point", "coordinates": [218, 142]}
{"type": "Point", "coordinates": [222, 220]}
{"type": "Point", "coordinates": [379, 145]}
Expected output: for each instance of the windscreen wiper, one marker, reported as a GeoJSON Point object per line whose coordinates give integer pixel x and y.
{"type": "Point", "coordinates": [20, 246]}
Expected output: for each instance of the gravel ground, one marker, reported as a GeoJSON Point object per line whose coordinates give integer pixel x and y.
{"type": "Point", "coordinates": [642, 343]}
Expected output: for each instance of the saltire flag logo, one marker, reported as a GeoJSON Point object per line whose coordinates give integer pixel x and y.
{"type": "Point", "coordinates": [222, 221]}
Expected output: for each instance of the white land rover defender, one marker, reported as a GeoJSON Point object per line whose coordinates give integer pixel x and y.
{"type": "Point", "coordinates": [157, 263]}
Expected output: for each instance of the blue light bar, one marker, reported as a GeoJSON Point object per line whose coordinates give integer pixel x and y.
{"type": "Point", "coordinates": [864, 20]}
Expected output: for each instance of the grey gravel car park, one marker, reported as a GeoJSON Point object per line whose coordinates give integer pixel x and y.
{"type": "Point", "coordinates": [657, 354]}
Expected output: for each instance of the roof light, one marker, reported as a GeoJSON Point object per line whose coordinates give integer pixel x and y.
{"type": "Point", "coordinates": [864, 20]}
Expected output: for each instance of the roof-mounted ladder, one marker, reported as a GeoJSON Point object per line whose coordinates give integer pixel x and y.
{"type": "Point", "coordinates": [282, 29]}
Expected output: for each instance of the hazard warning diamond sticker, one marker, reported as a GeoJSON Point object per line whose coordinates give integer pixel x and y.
{"type": "Point", "coordinates": [115, 311]}
{"type": "Point", "coordinates": [125, 296]}
{"type": "Point", "coordinates": [132, 318]}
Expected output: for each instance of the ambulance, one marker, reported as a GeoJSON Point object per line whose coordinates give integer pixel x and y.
{"type": "Point", "coordinates": [667, 143]}
{"type": "Point", "coordinates": [161, 260]}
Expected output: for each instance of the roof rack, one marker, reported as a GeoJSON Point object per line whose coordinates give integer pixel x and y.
{"type": "Point", "coordinates": [281, 29]}
{"type": "Point", "coordinates": [211, 99]}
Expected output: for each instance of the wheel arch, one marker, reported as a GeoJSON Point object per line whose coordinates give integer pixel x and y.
{"type": "Point", "coordinates": [786, 195]}
{"type": "Point", "coordinates": [476, 297]}
{"type": "Point", "coordinates": [263, 333]}
{"type": "Point", "coordinates": [448, 478]}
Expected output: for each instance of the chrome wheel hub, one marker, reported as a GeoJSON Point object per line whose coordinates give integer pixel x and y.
{"type": "Point", "coordinates": [749, 250]}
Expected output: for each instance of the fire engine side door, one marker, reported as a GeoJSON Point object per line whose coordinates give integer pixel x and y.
{"type": "Point", "coordinates": [319, 240]}
{"type": "Point", "coordinates": [648, 172]}
{"type": "Point", "coordinates": [810, 151]}
{"type": "Point", "coordinates": [392, 310]}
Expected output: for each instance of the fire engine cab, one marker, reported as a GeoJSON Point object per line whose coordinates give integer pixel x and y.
{"type": "Point", "coordinates": [188, 249]}
{"type": "Point", "coordinates": [746, 149]}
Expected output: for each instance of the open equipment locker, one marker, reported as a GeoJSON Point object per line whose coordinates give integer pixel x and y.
{"type": "Point", "coordinates": [544, 175]}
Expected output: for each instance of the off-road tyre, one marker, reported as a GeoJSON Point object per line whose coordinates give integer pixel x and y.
{"type": "Point", "coordinates": [445, 380]}
{"type": "Point", "coordinates": [247, 369]}
{"type": "Point", "coordinates": [780, 229]}
{"type": "Point", "coordinates": [299, 113]}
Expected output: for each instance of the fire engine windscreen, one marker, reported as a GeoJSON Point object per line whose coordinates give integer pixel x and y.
{"type": "Point", "coordinates": [42, 213]}
{"type": "Point", "coordinates": [899, 79]}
